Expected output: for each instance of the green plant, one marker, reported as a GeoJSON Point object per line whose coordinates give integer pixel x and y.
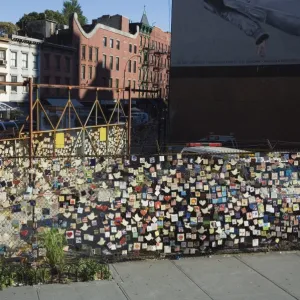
{"type": "Point", "coordinates": [89, 270]}
{"type": "Point", "coordinates": [53, 240]}
{"type": "Point", "coordinates": [6, 276]}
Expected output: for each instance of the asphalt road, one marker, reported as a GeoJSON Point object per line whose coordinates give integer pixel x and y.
{"type": "Point", "coordinates": [272, 276]}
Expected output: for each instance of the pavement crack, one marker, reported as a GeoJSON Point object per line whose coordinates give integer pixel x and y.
{"type": "Point", "coordinates": [264, 276]}
{"type": "Point", "coordinates": [116, 271]}
{"type": "Point", "coordinates": [188, 277]}
{"type": "Point", "coordinates": [123, 291]}
{"type": "Point", "coordinates": [38, 293]}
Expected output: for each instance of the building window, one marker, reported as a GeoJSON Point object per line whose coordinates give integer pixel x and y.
{"type": "Point", "coordinates": [134, 84]}
{"type": "Point", "coordinates": [135, 49]}
{"type": "Point", "coordinates": [68, 64]}
{"type": "Point", "coordinates": [129, 66]}
{"type": "Point", "coordinates": [26, 87]}
{"type": "Point", "coordinates": [134, 67]}
{"type": "Point", "coordinates": [117, 83]}
{"type": "Point", "coordinates": [67, 82]}
{"type": "Point", "coordinates": [25, 60]}
{"type": "Point", "coordinates": [117, 63]}
{"type": "Point", "coordinates": [46, 79]}
{"type": "Point", "coordinates": [14, 89]}
{"type": "Point", "coordinates": [2, 87]}
{"type": "Point", "coordinates": [13, 60]}
{"type": "Point", "coordinates": [91, 53]}
{"type": "Point", "coordinates": [111, 43]}
{"type": "Point", "coordinates": [47, 61]}
{"type": "Point", "coordinates": [104, 81]}
{"type": "Point", "coordinates": [96, 54]}
{"type": "Point", "coordinates": [96, 73]}
{"type": "Point", "coordinates": [118, 45]}
{"type": "Point", "coordinates": [83, 72]}
{"type": "Point", "coordinates": [57, 62]}
{"type": "Point", "coordinates": [141, 40]}
{"type": "Point", "coordinates": [57, 81]}
{"type": "Point", "coordinates": [90, 72]}
{"type": "Point", "coordinates": [111, 62]}
{"type": "Point", "coordinates": [129, 83]}
{"type": "Point", "coordinates": [35, 62]}
{"type": "Point", "coordinates": [104, 61]}
{"type": "Point", "coordinates": [83, 52]}
{"type": "Point", "coordinates": [105, 41]}
{"type": "Point", "coordinates": [130, 48]}
{"type": "Point", "coordinates": [2, 54]}
{"type": "Point", "coordinates": [110, 82]}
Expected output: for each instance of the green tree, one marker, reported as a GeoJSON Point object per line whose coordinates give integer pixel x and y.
{"type": "Point", "coordinates": [8, 28]}
{"type": "Point", "coordinates": [56, 16]}
{"type": "Point", "coordinates": [73, 6]}
{"type": "Point", "coordinates": [35, 16]}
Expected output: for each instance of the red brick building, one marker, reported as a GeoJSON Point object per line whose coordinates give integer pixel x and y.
{"type": "Point", "coordinates": [58, 66]}
{"type": "Point", "coordinates": [112, 47]}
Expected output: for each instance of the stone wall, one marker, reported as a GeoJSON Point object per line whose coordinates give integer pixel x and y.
{"type": "Point", "coordinates": [168, 203]}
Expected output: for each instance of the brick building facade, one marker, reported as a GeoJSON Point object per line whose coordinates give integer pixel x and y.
{"type": "Point", "coordinates": [112, 52]}
{"type": "Point", "coordinates": [58, 66]}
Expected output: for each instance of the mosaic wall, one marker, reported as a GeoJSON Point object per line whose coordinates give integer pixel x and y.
{"type": "Point", "coordinates": [110, 140]}
{"type": "Point", "coordinates": [164, 203]}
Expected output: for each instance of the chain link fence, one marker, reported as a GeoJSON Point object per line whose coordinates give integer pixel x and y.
{"type": "Point", "coordinates": [118, 207]}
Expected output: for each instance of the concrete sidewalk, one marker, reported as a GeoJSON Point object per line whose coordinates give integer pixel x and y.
{"type": "Point", "coordinates": [272, 276]}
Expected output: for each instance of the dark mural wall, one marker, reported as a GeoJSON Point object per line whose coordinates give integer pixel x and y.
{"type": "Point", "coordinates": [235, 66]}
{"type": "Point", "coordinates": [251, 108]}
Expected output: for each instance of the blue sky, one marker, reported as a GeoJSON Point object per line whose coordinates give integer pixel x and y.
{"type": "Point", "coordinates": [158, 11]}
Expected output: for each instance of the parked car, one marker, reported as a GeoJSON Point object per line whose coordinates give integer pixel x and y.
{"type": "Point", "coordinates": [8, 129]}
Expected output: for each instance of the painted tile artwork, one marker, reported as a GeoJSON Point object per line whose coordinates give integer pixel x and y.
{"type": "Point", "coordinates": [167, 203]}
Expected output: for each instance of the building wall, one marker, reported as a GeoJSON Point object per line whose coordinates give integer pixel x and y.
{"type": "Point", "coordinates": [42, 28]}
{"type": "Point", "coordinates": [58, 66]}
{"type": "Point", "coordinates": [4, 69]}
{"type": "Point", "coordinates": [117, 21]}
{"type": "Point", "coordinates": [21, 69]}
{"type": "Point", "coordinates": [100, 73]}
{"type": "Point", "coordinates": [253, 108]}
{"type": "Point", "coordinates": [160, 44]}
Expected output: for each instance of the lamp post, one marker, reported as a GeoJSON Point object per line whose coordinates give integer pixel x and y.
{"type": "Point", "coordinates": [129, 104]}
{"type": "Point", "coordinates": [124, 76]}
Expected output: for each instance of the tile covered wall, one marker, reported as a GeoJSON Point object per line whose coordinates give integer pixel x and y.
{"type": "Point", "coordinates": [166, 204]}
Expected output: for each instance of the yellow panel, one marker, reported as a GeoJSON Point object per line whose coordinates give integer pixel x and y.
{"type": "Point", "coordinates": [102, 132]}
{"type": "Point", "coordinates": [60, 140]}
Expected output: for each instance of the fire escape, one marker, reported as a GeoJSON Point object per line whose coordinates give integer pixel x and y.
{"type": "Point", "coordinates": [154, 63]}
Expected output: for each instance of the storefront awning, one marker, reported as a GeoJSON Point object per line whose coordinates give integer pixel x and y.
{"type": "Point", "coordinates": [63, 102]}
{"type": "Point", "coordinates": [7, 107]}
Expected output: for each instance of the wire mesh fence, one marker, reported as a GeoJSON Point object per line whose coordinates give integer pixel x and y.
{"type": "Point", "coordinates": [167, 205]}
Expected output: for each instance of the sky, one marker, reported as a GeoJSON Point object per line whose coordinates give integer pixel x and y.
{"type": "Point", "coordinates": [158, 11]}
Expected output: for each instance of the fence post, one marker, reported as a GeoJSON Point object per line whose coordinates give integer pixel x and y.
{"type": "Point", "coordinates": [129, 123]}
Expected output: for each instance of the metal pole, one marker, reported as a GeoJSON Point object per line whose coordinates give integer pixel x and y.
{"type": "Point", "coordinates": [129, 122]}
{"type": "Point", "coordinates": [124, 75]}
{"type": "Point", "coordinates": [96, 111]}
{"type": "Point", "coordinates": [30, 122]}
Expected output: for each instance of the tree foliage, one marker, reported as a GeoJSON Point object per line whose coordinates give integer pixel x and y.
{"type": "Point", "coordinates": [56, 16]}
{"type": "Point", "coordinates": [8, 28]}
{"type": "Point", "coordinates": [73, 6]}
{"type": "Point", "coordinates": [35, 16]}
{"type": "Point", "coordinates": [69, 7]}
